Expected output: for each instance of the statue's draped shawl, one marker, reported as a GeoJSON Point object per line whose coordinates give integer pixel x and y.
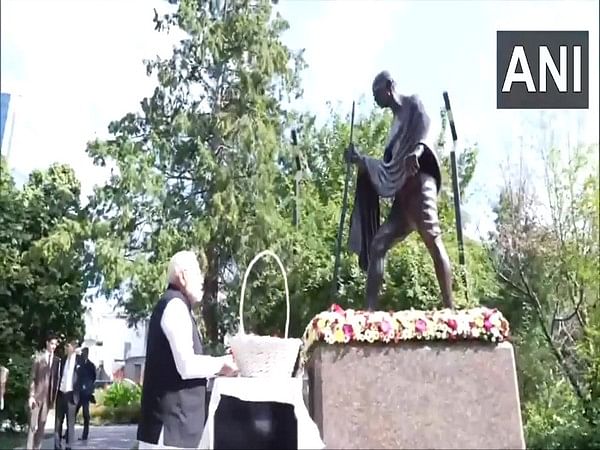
{"type": "Point", "coordinates": [385, 177]}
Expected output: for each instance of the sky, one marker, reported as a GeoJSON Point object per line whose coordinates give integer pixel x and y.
{"type": "Point", "coordinates": [77, 65]}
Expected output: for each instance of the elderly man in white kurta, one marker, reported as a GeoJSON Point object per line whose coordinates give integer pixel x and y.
{"type": "Point", "coordinates": [176, 370]}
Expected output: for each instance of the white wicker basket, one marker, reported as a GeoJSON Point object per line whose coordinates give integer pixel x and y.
{"type": "Point", "coordinates": [265, 356]}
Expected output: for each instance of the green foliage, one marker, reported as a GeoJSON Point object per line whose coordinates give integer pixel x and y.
{"type": "Point", "coordinates": [546, 254]}
{"type": "Point", "coordinates": [42, 232]}
{"type": "Point", "coordinates": [121, 394]}
{"type": "Point", "coordinates": [117, 404]}
{"type": "Point", "coordinates": [196, 169]}
{"type": "Point", "coordinates": [15, 397]}
{"type": "Point", "coordinates": [118, 415]}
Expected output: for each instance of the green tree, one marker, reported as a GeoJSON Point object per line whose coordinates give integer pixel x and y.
{"type": "Point", "coordinates": [41, 284]}
{"type": "Point", "coordinates": [197, 167]}
{"type": "Point", "coordinates": [546, 254]}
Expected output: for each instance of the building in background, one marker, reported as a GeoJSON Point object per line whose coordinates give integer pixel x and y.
{"type": "Point", "coordinates": [7, 121]}
{"type": "Point", "coordinates": [117, 350]}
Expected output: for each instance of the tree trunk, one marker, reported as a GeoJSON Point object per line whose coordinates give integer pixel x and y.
{"type": "Point", "coordinates": [209, 298]}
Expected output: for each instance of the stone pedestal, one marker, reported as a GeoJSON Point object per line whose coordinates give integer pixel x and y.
{"type": "Point", "coordinates": [421, 395]}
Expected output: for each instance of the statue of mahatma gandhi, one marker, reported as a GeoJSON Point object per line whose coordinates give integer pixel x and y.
{"type": "Point", "coordinates": [410, 174]}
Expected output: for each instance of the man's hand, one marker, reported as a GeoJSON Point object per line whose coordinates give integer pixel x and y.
{"type": "Point", "coordinates": [229, 371]}
{"type": "Point", "coordinates": [229, 368]}
{"type": "Point", "coordinates": [411, 163]}
{"type": "Point", "coordinates": [31, 403]}
{"type": "Point", "coordinates": [353, 156]}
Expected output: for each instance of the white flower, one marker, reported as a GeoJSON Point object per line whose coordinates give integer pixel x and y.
{"type": "Point", "coordinates": [371, 335]}
{"type": "Point", "coordinates": [328, 336]}
{"type": "Point", "coordinates": [408, 333]}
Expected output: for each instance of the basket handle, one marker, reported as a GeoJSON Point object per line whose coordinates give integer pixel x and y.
{"type": "Point", "coordinates": [287, 292]}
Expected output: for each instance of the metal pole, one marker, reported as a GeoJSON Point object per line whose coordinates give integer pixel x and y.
{"type": "Point", "coordinates": [336, 267]}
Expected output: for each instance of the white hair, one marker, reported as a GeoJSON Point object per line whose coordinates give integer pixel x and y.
{"type": "Point", "coordinates": [180, 261]}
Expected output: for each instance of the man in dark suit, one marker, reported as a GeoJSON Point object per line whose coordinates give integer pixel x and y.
{"type": "Point", "coordinates": [86, 379]}
{"type": "Point", "coordinates": [43, 389]}
{"type": "Point", "coordinates": [68, 396]}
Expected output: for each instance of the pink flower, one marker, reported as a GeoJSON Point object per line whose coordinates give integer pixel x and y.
{"type": "Point", "coordinates": [385, 326]}
{"type": "Point", "coordinates": [452, 324]}
{"type": "Point", "coordinates": [487, 325]}
{"type": "Point", "coordinates": [421, 326]}
{"type": "Point", "coordinates": [337, 308]}
{"type": "Point", "coordinates": [348, 331]}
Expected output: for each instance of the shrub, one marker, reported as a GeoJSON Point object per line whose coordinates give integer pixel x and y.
{"type": "Point", "coordinates": [117, 404]}
{"type": "Point", "coordinates": [119, 415]}
{"type": "Point", "coordinates": [122, 394]}
{"type": "Point", "coordinates": [17, 391]}
{"type": "Point", "coordinates": [555, 420]}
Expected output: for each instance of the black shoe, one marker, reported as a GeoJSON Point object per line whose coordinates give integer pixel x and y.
{"type": "Point", "coordinates": [83, 438]}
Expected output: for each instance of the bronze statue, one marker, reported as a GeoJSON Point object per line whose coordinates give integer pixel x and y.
{"type": "Point", "coordinates": [410, 174]}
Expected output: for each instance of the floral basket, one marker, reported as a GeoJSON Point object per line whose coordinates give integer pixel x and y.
{"type": "Point", "coordinates": [339, 326]}
{"type": "Point", "coordinates": [265, 356]}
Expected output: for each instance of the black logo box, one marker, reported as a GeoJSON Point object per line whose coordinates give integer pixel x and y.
{"type": "Point", "coordinates": [519, 97]}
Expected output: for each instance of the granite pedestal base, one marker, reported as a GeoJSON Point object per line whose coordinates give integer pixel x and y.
{"type": "Point", "coordinates": [421, 395]}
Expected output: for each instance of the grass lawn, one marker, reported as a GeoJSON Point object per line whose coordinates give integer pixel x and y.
{"type": "Point", "coordinates": [10, 440]}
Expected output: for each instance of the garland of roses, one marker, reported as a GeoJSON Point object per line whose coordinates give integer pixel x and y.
{"type": "Point", "coordinates": [339, 326]}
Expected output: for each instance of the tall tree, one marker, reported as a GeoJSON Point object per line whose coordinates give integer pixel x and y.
{"type": "Point", "coordinates": [42, 231]}
{"type": "Point", "coordinates": [196, 167]}
{"type": "Point", "coordinates": [546, 254]}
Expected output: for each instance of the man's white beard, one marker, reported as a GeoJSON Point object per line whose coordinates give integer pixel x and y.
{"type": "Point", "coordinates": [195, 295]}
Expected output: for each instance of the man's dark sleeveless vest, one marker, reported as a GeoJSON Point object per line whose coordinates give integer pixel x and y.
{"type": "Point", "coordinates": [169, 403]}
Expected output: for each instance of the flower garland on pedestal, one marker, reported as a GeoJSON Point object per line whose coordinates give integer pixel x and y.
{"type": "Point", "coordinates": [339, 326]}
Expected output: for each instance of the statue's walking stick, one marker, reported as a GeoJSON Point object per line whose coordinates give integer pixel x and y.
{"type": "Point", "coordinates": [338, 249]}
{"type": "Point", "coordinates": [456, 190]}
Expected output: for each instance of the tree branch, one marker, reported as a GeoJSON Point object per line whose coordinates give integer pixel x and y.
{"type": "Point", "coordinates": [575, 311]}
{"type": "Point", "coordinates": [555, 351]}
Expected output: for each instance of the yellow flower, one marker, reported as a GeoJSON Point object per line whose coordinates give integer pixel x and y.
{"type": "Point", "coordinates": [339, 336]}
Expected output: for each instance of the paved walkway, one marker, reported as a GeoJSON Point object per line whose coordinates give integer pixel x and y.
{"type": "Point", "coordinates": [118, 437]}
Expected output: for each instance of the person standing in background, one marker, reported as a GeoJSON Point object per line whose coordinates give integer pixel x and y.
{"type": "Point", "coordinates": [3, 379]}
{"type": "Point", "coordinates": [86, 379]}
{"type": "Point", "coordinates": [42, 391]}
{"type": "Point", "coordinates": [68, 396]}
